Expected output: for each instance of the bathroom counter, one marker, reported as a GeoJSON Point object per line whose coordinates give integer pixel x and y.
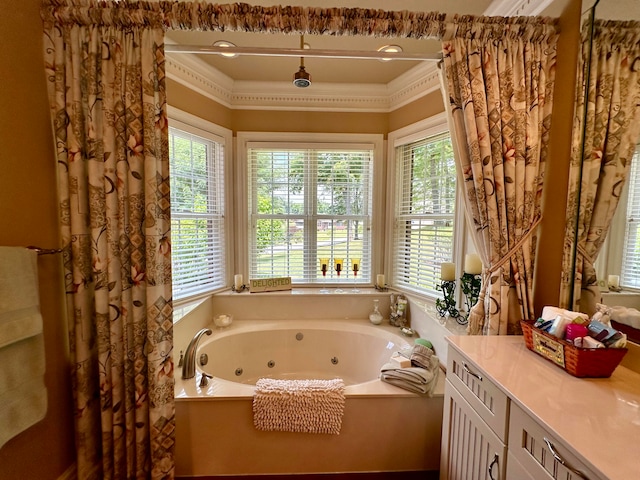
{"type": "Point", "coordinates": [597, 418]}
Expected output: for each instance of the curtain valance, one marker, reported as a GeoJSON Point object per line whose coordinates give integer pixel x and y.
{"type": "Point", "coordinates": [291, 19]}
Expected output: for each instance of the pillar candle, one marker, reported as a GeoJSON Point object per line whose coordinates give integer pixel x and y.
{"type": "Point", "coordinates": [447, 271]}
{"type": "Point", "coordinates": [237, 281]}
{"type": "Point", "coordinates": [614, 281]}
{"type": "Point", "coordinates": [472, 264]}
{"type": "Point", "coordinates": [380, 280]}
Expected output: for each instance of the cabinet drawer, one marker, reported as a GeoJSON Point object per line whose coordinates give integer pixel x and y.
{"type": "Point", "coordinates": [470, 449]}
{"type": "Point", "coordinates": [533, 447]}
{"type": "Point", "coordinates": [482, 394]}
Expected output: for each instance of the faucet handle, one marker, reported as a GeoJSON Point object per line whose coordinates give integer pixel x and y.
{"type": "Point", "coordinates": [204, 380]}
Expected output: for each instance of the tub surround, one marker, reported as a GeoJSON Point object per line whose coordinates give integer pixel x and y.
{"type": "Point", "coordinates": [598, 420]}
{"type": "Point", "coordinates": [384, 428]}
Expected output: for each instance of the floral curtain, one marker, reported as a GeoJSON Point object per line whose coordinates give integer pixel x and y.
{"type": "Point", "coordinates": [107, 96]}
{"type": "Point", "coordinates": [602, 148]}
{"type": "Point", "coordinates": [500, 76]}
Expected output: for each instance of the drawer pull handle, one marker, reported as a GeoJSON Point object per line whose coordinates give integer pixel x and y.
{"type": "Point", "coordinates": [561, 460]}
{"type": "Point", "coordinates": [490, 470]}
{"type": "Point", "coordinates": [468, 370]}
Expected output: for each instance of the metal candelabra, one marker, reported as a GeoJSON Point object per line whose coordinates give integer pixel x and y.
{"type": "Point", "coordinates": [470, 284]}
{"type": "Point", "coordinates": [448, 305]}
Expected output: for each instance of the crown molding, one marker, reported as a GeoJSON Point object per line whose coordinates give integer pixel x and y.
{"type": "Point", "coordinates": [197, 75]}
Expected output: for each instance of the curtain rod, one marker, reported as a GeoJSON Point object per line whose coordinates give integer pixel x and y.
{"type": "Point", "coordinates": [298, 52]}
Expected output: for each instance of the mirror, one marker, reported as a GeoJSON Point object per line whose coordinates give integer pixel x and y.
{"type": "Point", "coordinates": [611, 194]}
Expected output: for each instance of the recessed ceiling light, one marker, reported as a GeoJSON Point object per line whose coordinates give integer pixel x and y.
{"type": "Point", "coordinates": [225, 44]}
{"type": "Point", "coordinates": [390, 49]}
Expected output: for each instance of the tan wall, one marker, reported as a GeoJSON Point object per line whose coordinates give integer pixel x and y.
{"type": "Point", "coordinates": [28, 216]}
{"type": "Point", "coordinates": [309, 121]}
{"type": "Point", "coordinates": [185, 99]}
{"type": "Point", "coordinates": [548, 271]}
{"type": "Point", "coordinates": [424, 107]}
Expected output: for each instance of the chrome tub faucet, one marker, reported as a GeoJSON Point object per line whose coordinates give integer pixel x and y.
{"type": "Point", "coordinates": [189, 363]}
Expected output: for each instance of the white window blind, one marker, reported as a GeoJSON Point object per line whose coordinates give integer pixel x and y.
{"type": "Point", "coordinates": [630, 274]}
{"type": "Point", "coordinates": [308, 202]}
{"type": "Point", "coordinates": [424, 212]}
{"type": "Point", "coordinates": [197, 213]}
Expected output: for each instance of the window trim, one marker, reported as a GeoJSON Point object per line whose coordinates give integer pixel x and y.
{"type": "Point", "coordinates": [195, 125]}
{"type": "Point", "coordinates": [242, 226]}
{"type": "Point", "coordinates": [429, 127]}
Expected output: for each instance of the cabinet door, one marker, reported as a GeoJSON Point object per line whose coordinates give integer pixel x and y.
{"type": "Point", "coordinates": [480, 392]}
{"type": "Point", "coordinates": [542, 455]}
{"type": "Point", "coordinates": [470, 449]}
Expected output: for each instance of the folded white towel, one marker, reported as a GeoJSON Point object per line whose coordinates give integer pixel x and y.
{"type": "Point", "coordinates": [307, 406]}
{"type": "Point", "coordinates": [414, 379]}
{"type": "Point", "coordinates": [20, 316]}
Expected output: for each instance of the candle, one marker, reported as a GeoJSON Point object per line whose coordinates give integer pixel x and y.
{"type": "Point", "coordinates": [614, 281]}
{"type": "Point", "coordinates": [380, 280]}
{"type": "Point", "coordinates": [447, 271]}
{"type": "Point", "coordinates": [472, 264]}
{"type": "Point", "coordinates": [237, 281]}
{"type": "Point", "coordinates": [338, 262]}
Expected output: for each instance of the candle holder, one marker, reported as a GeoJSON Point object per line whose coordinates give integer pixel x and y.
{"type": "Point", "coordinates": [355, 267]}
{"type": "Point", "coordinates": [470, 284]}
{"type": "Point", "coordinates": [381, 288]}
{"type": "Point", "coordinates": [338, 265]}
{"type": "Point", "coordinates": [239, 289]}
{"type": "Point", "coordinates": [448, 306]}
{"type": "Point", "coordinates": [324, 266]}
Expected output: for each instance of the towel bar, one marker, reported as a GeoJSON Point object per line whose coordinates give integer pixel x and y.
{"type": "Point", "coordinates": [45, 251]}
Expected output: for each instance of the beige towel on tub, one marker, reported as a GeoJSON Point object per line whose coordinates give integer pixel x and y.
{"type": "Point", "coordinates": [306, 406]}
{"type": "Point", "coordinates": [23, 397]}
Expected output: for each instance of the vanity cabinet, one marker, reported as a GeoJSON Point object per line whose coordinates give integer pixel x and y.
{"type": "Point", "coordinates": [474, 424]}
{"type": "Point", "coordinates": [488, 435]}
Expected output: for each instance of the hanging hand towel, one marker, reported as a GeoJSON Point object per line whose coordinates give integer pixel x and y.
{"type": "Point", "coordinates": [307, 406]}
{"type": "Point", "coordinates": [20, 316]}
{"type": "Point", "coordinates": [23, 396]}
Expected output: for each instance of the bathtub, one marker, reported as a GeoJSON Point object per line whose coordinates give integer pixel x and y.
{"type": "Point", "coordinates": [384, 428]}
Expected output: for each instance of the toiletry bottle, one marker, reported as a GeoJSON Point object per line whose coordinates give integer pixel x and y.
{"type": "Point", "coordinates": [375, 317]}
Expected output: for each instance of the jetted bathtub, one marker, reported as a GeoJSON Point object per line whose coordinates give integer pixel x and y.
{"type": "Point", "coordinates": [384, 428]}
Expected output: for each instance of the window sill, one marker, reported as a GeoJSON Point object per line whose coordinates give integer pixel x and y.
{"type": "Point", "coordinates": [347, 290]}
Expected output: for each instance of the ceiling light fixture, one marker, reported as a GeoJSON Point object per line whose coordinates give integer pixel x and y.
{"type": "Point", "coordinates": [301, 78]}
{"type": "Point", "coordinates": [225, 44]}
{"type": "Point", "coordinates": [389, 49]}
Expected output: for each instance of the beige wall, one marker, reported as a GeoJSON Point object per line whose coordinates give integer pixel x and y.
{"type": "Point", "coordinates": [548, 269]}
{"type": "Point", "coordinates": [28, 216]}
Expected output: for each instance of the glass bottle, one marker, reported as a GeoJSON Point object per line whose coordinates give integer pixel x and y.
{"type": "Point", "coordinates": [375, 317]}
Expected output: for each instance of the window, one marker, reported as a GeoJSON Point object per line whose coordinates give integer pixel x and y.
{"type": "Point", "coordinates": [630, 272]}
{"type": "Point", "coordinates": [198, 230]}
{"type": "Point", "coordinates": [310, 201]}
{"type": "Point", "coordinates": [424, 208]}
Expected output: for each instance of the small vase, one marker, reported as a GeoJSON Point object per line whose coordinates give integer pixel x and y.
{"type": "Point", "coordinates": [375, 317]}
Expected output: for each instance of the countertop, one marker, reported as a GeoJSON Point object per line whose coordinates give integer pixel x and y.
{"type": "Point", "coordinates": [597, 418]}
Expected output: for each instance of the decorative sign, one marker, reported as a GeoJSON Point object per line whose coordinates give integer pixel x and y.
{"type": "Point", "coordinates": [548, 348]}
{"type": "Point", "coordinates": [269, 284]}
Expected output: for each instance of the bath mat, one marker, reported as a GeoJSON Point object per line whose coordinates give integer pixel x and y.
{"type": "Point", "coordinates": [304, 406]}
